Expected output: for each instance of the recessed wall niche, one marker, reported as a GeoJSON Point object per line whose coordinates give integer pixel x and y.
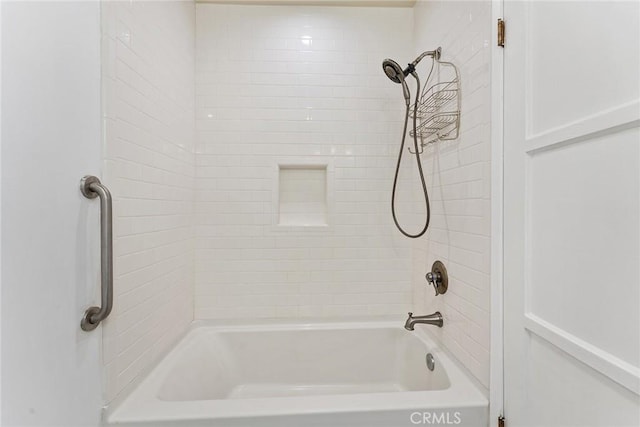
{"type": "Point", "coordinates": [302, 195]}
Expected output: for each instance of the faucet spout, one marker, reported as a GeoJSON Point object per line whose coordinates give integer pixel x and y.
{"type": "Point", "coordinates": [430, 319]}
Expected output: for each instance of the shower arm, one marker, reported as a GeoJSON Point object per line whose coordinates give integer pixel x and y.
{"type": "Point", "coordinates": [433, 53]}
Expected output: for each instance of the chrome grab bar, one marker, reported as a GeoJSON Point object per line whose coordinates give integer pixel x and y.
{"type": "Point", "coordinates": [91, 187]}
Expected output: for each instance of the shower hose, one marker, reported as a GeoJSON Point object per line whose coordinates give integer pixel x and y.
{"type": "Point", "coordinates": [418, 161]}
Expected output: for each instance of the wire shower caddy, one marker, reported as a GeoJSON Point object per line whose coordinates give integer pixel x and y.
{"type": "Point", "coordinates": [438, 110]}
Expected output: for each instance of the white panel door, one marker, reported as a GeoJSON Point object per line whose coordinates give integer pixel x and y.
{"type": "Point", "coordinates": [572, 219]}
{"type": "Point", "coordinates": [51, 369]}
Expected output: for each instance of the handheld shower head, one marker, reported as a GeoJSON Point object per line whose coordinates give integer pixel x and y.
{"type": "Point", "coordinates": [393, 70]}
{"type": "Point", "coordinates": [395, 73]}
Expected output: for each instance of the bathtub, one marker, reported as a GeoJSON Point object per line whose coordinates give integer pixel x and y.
{"type": "Point", "coordinates": [322, 374]}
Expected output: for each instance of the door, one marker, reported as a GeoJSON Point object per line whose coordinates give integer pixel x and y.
{"type": "Point", "coordinates": [51, 369]}
{"type": "Point", "coordinates": [571, 209]}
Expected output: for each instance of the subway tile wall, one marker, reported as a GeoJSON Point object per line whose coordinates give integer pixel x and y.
{"type": "Point", "coordinates": [459, 177]}
{"type": "Point", "coordinates": [298, 85]}
{"type": "Point", "coordinates": [148, 102]}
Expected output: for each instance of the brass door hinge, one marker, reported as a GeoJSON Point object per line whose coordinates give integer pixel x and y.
{"type": "Point", "coordinates": [500, 32]}
{"type": "Point", "coordinates": [500, 421]}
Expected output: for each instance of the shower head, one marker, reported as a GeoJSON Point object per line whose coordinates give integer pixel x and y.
{"type": "Point", "coordinates": [393, 70]}
{"type": "Point", "coordinates": [395, 73]}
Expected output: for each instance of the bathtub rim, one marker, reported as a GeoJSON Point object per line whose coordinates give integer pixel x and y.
{"type": "Point", "coordinates": [141, 404]}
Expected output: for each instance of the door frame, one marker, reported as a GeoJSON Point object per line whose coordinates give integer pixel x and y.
{"type": "Point", "coordinates": [0, 212]}
{"type": "Point", "coordinates": [496, 380]}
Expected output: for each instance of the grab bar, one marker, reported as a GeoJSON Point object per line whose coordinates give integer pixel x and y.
{"type": "Point", "coordinates": [91, 187]}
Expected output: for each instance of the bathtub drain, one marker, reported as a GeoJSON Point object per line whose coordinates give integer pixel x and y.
{"type": "Point", "coordinates": [431, 362]}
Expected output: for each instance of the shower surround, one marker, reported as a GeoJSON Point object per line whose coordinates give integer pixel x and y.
{"type": "Point", "coordinates": [216, 116]}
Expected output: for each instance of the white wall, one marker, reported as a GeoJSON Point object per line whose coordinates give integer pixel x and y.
{"type": "Point", "coordinates": [459, 180]}
{"type": "Point", "coordinates": [148, 72]}
{"type": "Point", "coordinates": [291, 85]}
{"type": "Point", "coordinates": [50, 139]}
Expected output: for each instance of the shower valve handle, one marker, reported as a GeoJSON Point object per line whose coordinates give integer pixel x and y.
{"type": "Point", "coordinates": [433, 280]}
{"type": "Point", "coordinates": [438, 278]}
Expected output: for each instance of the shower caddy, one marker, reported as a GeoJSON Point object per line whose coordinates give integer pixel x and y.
{"type": "Point", "coordinates": [438, 109]}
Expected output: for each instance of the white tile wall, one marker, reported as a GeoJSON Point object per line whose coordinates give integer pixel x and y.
{"type": "Point", "coordinates": [459, 183]}
{"type": "Point", "coordinates": [286, 85]}
{"type": "Point", "coordinates": [276, 84]}
{"type": "Point", "coordinates": [148, 90]}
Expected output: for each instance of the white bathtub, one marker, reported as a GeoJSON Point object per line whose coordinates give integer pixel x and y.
{"type": "Point", "coordinates": [325, 374]}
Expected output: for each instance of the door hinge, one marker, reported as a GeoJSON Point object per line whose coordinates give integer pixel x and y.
{"type": "Point", "coordinates": [500, 421]}
{"type": "Point", "coordinates": [500, 32]}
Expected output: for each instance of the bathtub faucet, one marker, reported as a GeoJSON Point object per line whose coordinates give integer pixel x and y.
{"type": "Point", "coordinates": [429, 319]}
